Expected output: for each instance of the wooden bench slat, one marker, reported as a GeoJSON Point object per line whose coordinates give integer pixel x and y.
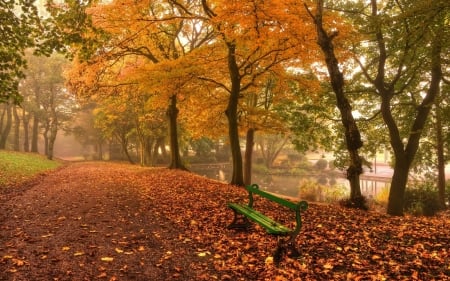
{"type": "Point", "coordinates": [272, 197]}
{"type": "Point", "coordinates": [269, 224]}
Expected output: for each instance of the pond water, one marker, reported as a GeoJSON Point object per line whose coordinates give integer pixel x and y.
{"type": "Point", "coordinates": [294, 185]}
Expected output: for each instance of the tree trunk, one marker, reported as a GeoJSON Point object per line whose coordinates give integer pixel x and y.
{"type": "Point", "coordinates": [100, 149]}
{"type": "Point", "coordinates": [35, 133]}
{"type": "Point", "coordinates": [52, 137]}
{"type": "Point", "coordinates": [26, 136]}
{"type": "Point", "coordinates": [8, 124]}
{"type": "Point", "coordinates": [237, 177]}
{"type": "Point", "coordinates": [149, 147]}
{"type": "Point", "coordinates": [53, 125]}
{"type": "Point", "coordinates": [248, 156]}
{"type": "Point", "coordinates": [2, 117]}
{"type": "Point", "coordinates": [123, 140]}
{"type": "Point", "coordinates": [45, 135]}
{"type": "Point", "coordinates": [16, 129]}
{"type": "Point", "coordinates": [142, 152]}
{"type": "Point", "coordinates": [440, 156]}
{"type": "Point", "coordinates": [172, 113]}
{"type": "Point", "coordinates": [352, 134]}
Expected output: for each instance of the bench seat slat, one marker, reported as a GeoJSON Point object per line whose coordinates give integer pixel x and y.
{"type": "Point", "coordinates": [272, 197]}
{"type": "Point", "coordinates": [269, 224]}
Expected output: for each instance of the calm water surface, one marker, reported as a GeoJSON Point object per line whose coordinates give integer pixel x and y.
{"type": "Point", "coordinates": [289, 185]}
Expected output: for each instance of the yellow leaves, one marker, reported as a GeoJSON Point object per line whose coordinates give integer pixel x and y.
{"type": "Point", "coordinates": [107, 259]}
{"type": "Point", "coordinates": [77, 254]}
{"type": "Point", "coordinates": [65, 248]}
{"type": "Point", "coordinates": [328, 266]}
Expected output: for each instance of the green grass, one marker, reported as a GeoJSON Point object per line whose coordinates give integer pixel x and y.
{"type": "Point", "coordinates": [17, 167]}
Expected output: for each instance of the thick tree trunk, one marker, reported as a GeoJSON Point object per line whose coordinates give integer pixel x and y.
{"type": "Point", "coordinates": [237, 177]}
{"type": "Point", "coordinates": [352, 134]}
{"type": "Point", "coordinates": [172, 113]}
{"type": "Point", "coordinates": [248, 156]}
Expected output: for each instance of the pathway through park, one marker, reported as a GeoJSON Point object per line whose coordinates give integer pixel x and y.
{"type": "Point", "coordinates": [111, 221]}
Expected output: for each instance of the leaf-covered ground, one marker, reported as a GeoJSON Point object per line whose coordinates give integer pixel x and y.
{"type": "Point", "coordinates": [104, 221]}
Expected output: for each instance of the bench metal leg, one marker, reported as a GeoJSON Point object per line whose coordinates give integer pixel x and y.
{"type": "Point", "coordinates": [239, 222]}
{"type": "Point", "coordinates": [285, 247]}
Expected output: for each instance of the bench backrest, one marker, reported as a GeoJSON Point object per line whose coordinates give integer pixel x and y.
{"type": "Point", "coordinates": [254, 188]}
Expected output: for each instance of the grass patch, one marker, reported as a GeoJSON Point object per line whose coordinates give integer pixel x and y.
{"type": "Point", "coordinates": [17, 167]}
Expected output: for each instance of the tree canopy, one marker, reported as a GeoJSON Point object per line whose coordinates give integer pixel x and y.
{"type": "Point", "coordinates": [19, 29]}
{"type": "Point", "coordinates": [348, 76]}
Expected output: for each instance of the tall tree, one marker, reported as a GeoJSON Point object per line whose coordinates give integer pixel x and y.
{"type": "Point", "coordinates": [163, 33]}
{"type": "Point", "coordinates": [410, 51]}
{"type": "Point", "coordinates": [399, 56]}
{"type": "Point", "coordinates": [352, 134]}
{"type": "Point", "coordinates": [253, 41]}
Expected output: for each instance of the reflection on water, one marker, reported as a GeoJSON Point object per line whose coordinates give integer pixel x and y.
{"type": "Point", "coordinates": [289, 185]}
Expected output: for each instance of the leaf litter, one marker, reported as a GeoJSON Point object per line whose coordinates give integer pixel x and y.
{"type": "Point", "coordinates": [111, 221]}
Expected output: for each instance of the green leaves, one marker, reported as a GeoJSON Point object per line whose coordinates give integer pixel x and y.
{"type": "Point", "coordinates": [18, 31]}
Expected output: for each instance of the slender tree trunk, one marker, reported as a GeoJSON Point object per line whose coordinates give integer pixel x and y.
{"type": "Point", "coordinates": [440, 156]}
{"type": "Point", "coordinates": [150, 157]}
{"type": "Point", "coordinates": [35, 133]}
{"type": "Point", "coordinates": [2, 117]}
{"type": "Point", "coordinates": [8, 124]}
{"type": "Point", "coordinates": [45, 135]}
{"type": "Point", "coordinates": [142, 152]}
{"type": "Point", "coordinates": [53, 125]}
{"type": "Point", "coordinates": [123, 140]}
{"type": "Point", "coordinates": [237, 177]}
{"type": "Point", "coordinates": [52, 137]}
{"type": "Point", "coordinates": [352, 134]}
{"type": "Point", "coordinates": [16, 129]}
{"type": "Point", "coordinates": [250, 142]}
{"type": "Point", "coordinates": [26, 136]}
{"type": "Point", "coordinates": [172, 113]}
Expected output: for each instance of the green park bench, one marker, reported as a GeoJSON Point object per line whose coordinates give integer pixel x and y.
{"type": "Point", "coordinates": [244, 212]}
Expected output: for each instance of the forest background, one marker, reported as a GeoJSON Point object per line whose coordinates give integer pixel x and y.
{"type": "Point", "coordinates": [160, 78]}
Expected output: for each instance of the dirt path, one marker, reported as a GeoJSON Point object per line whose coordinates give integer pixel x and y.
{"type": "Point", "coordinates": [88, 221]}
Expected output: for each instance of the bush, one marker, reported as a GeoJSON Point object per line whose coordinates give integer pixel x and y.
{"type": "Point", "coordinates": [310, 190]}
{"type": "Point", "coordinates": [382, 197]}
{"type": "Point", "coordinates": [422, 199]}
{"type": "Point", "coordinates": [321, 164]}
{"type": "Point", "coordinates": [358, 203]}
